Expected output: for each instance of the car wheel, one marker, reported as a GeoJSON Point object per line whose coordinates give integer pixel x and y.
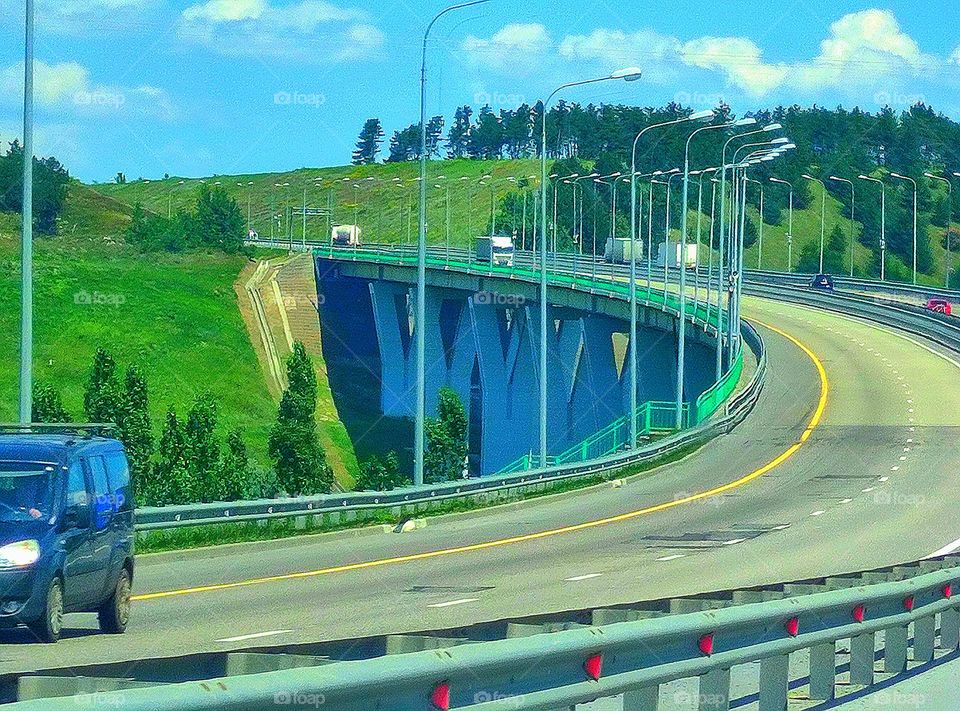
{"type": "Point", "coordinates": [50, 625]}
{"type": "Point", "coordinates": [115, 612]}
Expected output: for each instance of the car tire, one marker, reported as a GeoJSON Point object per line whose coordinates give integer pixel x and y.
{"type": "Point", "coordinates": [50, 625]}
{"type": "Point", "coordinates": [114, 614]}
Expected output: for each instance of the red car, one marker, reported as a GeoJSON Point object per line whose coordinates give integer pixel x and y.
{"type": "Point", "coordinates": [940, 306]}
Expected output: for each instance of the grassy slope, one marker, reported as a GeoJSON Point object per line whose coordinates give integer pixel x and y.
{"type": "Point", "coordinates": [178, 318]}
{"type": "Point", "coordinates": [382, 208]}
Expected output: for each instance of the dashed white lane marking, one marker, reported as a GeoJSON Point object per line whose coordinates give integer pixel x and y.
{"type": "Point", "coordinates": [781, 527]}
{"type": "Point", "coordinates": [255, 635]}
{"type": "Point", "coordinates": [452, 603]}
{"type": "Point", "coordinates": [846, 501]}
{"type": "Point", "coordinates": [734, 542]}
{"type": "Point", "coordinates": [884, 479]}
{"type": "Point", "coordinates": [818, 513]}
{"type": "Point", "coordinates": [868, 489]}
{"type": "Point", "coordinates": [578, 578]}
{"type": "Point", "coordinates": [665, 558]}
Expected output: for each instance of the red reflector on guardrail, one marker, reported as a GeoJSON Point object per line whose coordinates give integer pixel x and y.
{"type": "Point", "coordinates": [908, 604]}
{"type": "Point", "coordinates": [706, 644]}
{"type": "Point", "coordinates": [440, 698]}
{"type": "Point", "coordinates": [859, 612]}
{"type": "Point", "coordinates": [594, 666]}
{"type": "Point", "coordinates": [793, 626]}
{"type": "Point", "coordinates": [948, 591]}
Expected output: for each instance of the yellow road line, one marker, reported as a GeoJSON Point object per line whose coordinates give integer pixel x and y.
{"type": "Point", "coordinates": [811, 426]}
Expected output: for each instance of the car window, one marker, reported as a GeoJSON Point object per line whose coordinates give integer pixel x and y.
{"type": "Point", "coordinates": [102, 499]}
{"type": "Point", "coordinates": [76, 486]}
{"type": "Point", "coordinates": [118, 476]}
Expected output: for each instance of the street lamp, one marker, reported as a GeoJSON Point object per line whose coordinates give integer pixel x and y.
{"type": "Point", "coordinates": [914, 183]}
{"type": "Point", "coordinates": [421, 317]}
{"type": "Point", "coordinates": [26, 243]}
{"type": "Point", "coordinates": [789, 223]}
{"type": "Point", "coordinates": [631, 74]}
{"type": "Point", "coordinates": [823, 215]}
{"type": "Point", "coordinates": [949, 260]}
{"type": "Point", "coordinates": [883, 223]}
{"type": "Point", "coordinates": [853, 215]}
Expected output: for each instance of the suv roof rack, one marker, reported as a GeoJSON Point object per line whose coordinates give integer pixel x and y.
{"type": "Point", "coordinates": [86, 430]}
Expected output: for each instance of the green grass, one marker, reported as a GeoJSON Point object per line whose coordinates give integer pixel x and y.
{"type": "Point", "coordinates": [175, 316]}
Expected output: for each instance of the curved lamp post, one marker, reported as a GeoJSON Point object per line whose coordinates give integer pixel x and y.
{"type": "Point", "coordinates": [631, 74]}
{"type": "Point", "coordinates": [853, 215]}
{"type": "Point", "coordinates": [914, 183]}
{"type": "Point", "coordinates": [883, 223]}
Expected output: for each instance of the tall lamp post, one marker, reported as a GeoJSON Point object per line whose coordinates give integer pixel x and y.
{"type": "Point", "coordinates": [422, 253]}
{"type": "Point", "coordinates": [883, 223]}
{"type": "Point", "coordinates": [823, 215]}
{"type": "Point", "coordinates": [26, 244]}
{"type": "Point", "coordinates": [853, 216]}
{"type": "Point", "coordinates": [789, 223]}
{"type": "Point", "coordinates": [914, 183]}
{"type": "Point", "coordinates": [949, 259]}
{"type": "Point", "coordinates": [682, 330]}
{"type": "Point", "coordinates": [631, 74]}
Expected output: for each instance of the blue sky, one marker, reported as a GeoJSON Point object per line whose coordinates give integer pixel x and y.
{"type": "Point", "coordinates": [149, 87]}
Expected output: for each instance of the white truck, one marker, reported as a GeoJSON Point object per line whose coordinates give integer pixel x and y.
{"type": "Point", "coordinates": [672, 251]}
{"type": "Point", "coordinates": [618, 250]}
{"type": "Point", "coordinates": [346, 236]}
{"type": "Point", "coordinates": [496, 250]}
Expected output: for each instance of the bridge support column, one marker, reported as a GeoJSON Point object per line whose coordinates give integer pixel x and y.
{"type": "Point", "coordinates": [924, 633]}
{"type": "Point", "coordinates": [895, 650]}
{"type": "Point", "coordinates": [823, 671]}
{"type": "Point", "coordinates": [774, 683]}
{"type": "Point", "coordinates": [862, 655]}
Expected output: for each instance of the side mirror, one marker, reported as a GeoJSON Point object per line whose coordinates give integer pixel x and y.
{"type": "Point", "coordinates": [76, 517]}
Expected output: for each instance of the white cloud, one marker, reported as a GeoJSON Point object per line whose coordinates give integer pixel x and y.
{"type": "Point", "coordinates": [955, 57]}
{"type": "Point", "coordinates": [68, 85]}
{"type": "Point", "coordinates": [739, 59]}
{"type": "Point", "coordinates": [656, 53]}
{"type": "Point", "coordinates": [517, 46]}
{"type": "Point", "coordinates": [862, 48]}
{"type": "Point", "coordinates": [310, 30]}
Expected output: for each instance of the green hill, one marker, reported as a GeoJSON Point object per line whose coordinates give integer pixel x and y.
{"type": "Point", "coordinates": [174, 315]}
{"type": "Point", "coordinates": [384, 204]}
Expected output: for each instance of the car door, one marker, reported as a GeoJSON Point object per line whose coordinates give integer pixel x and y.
{"type": "Point", "coordinates": [76, 538]}
{"type": "Point", "coordinates": [101, 533]}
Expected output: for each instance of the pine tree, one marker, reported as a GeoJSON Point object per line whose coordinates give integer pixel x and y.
{"type": "Point", "coordinates": [434, 134]}
{"type": "Point", "coordinates": [294, 445]}
{"type": "Point", "coordinates": [458, 139]}
{"type": "Point", "coordinates": [446, 436]}
{"type": "Point", "coordinates": [47, 405]}
{"type": "Point", "coordinates": [368, 145]}
{"type": "Point", "coordinates": [170, 481]}
{"type": "Point", "coordinates": [202, 448]}
{"type": "Point", "coordinates": [102, 397]}
{"type": "Point", "coordinates": [234, 473]}
{"type": "Point", "coordinates": [134, 427]}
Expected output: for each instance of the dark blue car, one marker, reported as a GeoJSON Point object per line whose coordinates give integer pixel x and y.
{"type": "Point", "coordinates": [66, 531]}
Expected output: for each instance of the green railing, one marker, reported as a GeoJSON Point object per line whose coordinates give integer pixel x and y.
{"type": "Point", "coordinates": [652, 417]}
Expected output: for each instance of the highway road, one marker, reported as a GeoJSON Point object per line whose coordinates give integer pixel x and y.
{"type": "Point", "coordinates": [856, 428]}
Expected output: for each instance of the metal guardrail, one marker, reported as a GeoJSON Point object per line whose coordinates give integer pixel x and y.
{"type": "Point", "coordinates": [409, 500]}
{"type": "Point", "coordinates": [920, 292]}
{"type": "Point", "coordinates": [579, 657]}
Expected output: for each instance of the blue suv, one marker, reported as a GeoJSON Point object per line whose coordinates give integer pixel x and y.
{"type": "Point", "coordinates": [66, 529]}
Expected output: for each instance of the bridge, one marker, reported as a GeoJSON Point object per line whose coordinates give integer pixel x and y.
{"type": "Point", "coordinates": [822, 514]}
